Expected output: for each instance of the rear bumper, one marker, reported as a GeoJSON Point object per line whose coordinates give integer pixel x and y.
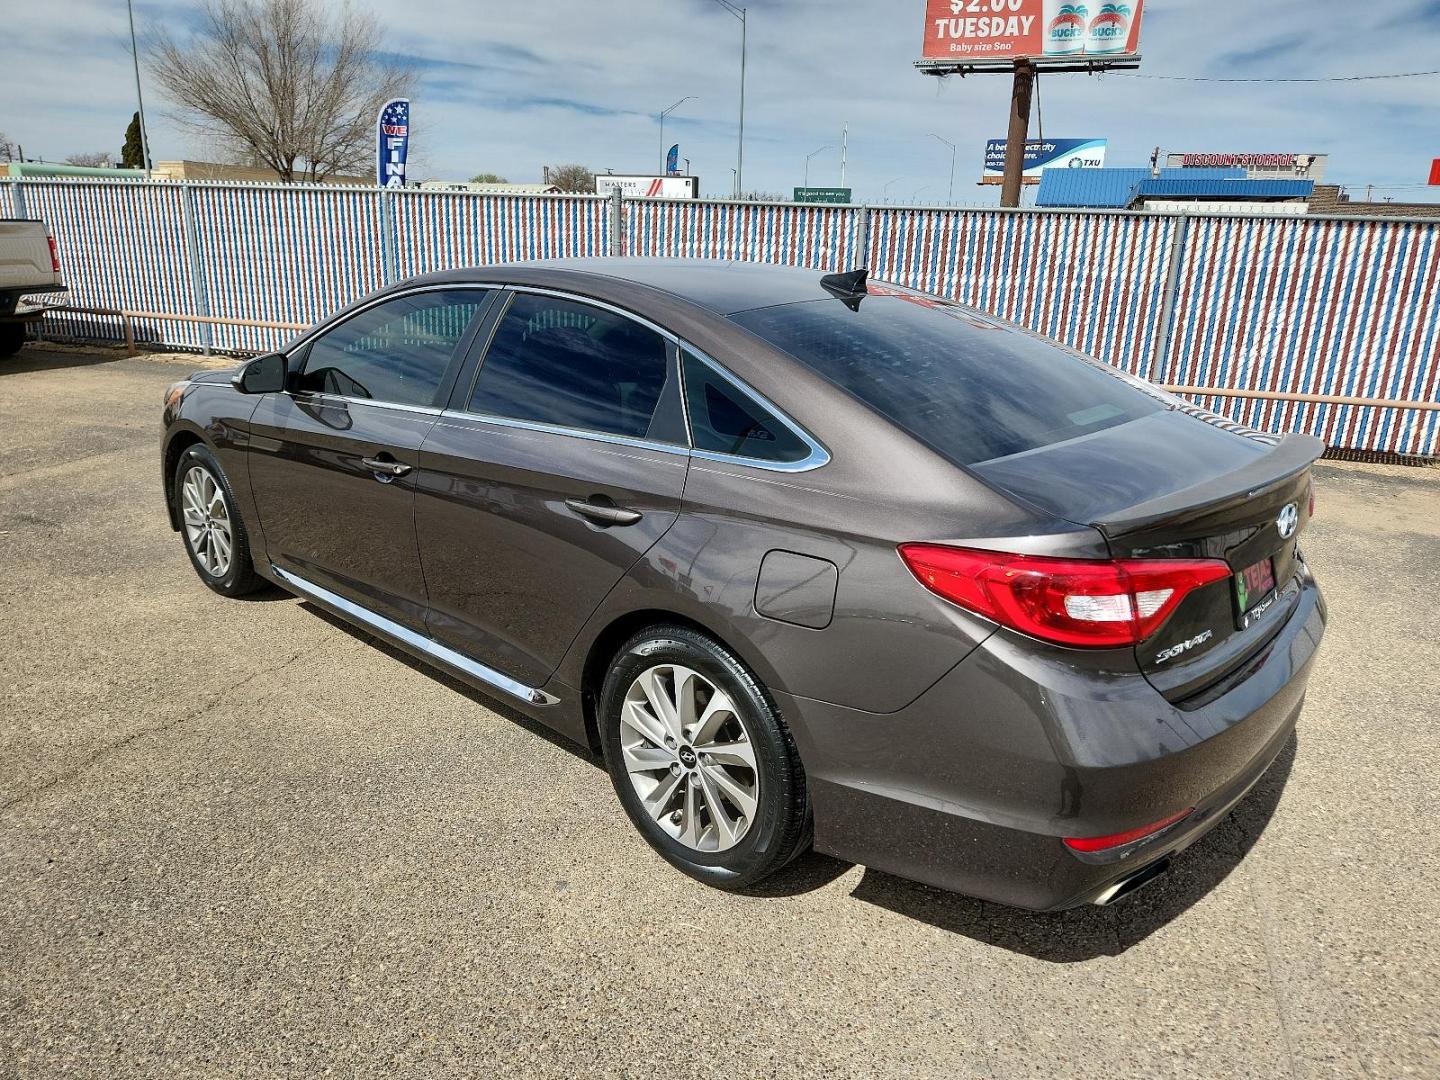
{"type": "Point", "coordinates": [973, 786]}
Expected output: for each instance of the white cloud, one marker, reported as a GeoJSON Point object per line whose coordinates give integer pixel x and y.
{"type": "Point", "coordinates": [509, 87]}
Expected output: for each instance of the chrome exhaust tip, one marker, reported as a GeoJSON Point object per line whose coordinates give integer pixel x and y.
{"type": "Point", "coordinates": [1125, 886]}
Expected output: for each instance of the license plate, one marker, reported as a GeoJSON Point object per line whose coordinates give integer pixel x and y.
{"type": "Point", "coordinates": [1254, 590]}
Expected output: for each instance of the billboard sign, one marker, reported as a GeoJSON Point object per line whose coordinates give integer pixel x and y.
{"type": "Point", "coordinates": [392, 137]}
{"type": "Point", "coordinates": [1041, 154]}
{"type": "Point", "coordinates": [995, 32]}
{"type": "Point", "coordinates": [823, 194]}
{"type": "Point", "coordinates": [649, 187]}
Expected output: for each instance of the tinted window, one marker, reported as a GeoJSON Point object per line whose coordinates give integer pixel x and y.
{"type": "Point", "coordinates": [560, 362]}
{"type": "Point", "coordinates": [396, 351]}
{"type": "Point", "coordinates": [972, 390]}
{"type": "Point", "coordinates": [726, 420]}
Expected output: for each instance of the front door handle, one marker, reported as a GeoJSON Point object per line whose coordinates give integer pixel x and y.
{"type": "Point", "coordinates": [386, 467]}
{"type": "Point", "coordinates": [603, 514]}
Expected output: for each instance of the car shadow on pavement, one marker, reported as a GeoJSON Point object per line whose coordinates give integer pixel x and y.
{"type": "Point", "coordinates": [450, 682]}
{"type": "Point", "coordinates": [28, 359]}
{"type": "Point", "coordinates": [1084, 933]}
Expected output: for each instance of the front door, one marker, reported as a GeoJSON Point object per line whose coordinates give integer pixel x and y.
{"type": "Point", "coordinates": [554, 472]}
{"type": "Point", "coordinates": [333, 460]}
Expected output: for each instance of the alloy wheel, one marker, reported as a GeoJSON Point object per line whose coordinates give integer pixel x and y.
{"type": "Point", "coordinates": [689, 757]}
{"type": "Point", "coordinates": [207, 521]}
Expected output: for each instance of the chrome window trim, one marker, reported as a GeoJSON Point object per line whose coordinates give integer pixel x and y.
{"type": "Point", "coordinates": [817, 456]}
{"type": "Point", "coordinates": [341, 317]}
{"type": "Point", "coordinates": [311, 396]}
{"type": "Point", "coordinates": [430, 647]}
{"type": "Point", "coordinates": [561, 429]}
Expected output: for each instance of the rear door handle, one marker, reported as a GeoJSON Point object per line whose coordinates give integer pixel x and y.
{"type": "Point", "coordinates": [386, 466]}
{"type": "Point", "coordinates": [602, 514]}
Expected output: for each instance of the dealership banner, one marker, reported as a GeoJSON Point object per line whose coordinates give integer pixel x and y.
{"type": "Point", "coordinates": [980, 31]}
{"type": "Point", "coordinates": [672, 161]}
{"type": "Point", "coordinates": [1041, 154]}
{"type": "Point", "coordinates": [392, 134]}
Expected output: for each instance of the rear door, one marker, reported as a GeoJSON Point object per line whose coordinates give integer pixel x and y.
{"type": "Point", "coordinates": [333, 459]}
{"type": "Point", "coordinates": [558, 464]}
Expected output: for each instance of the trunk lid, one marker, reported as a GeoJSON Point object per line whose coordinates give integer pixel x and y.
{"type": "Point", "coordinates": [1171, 485]}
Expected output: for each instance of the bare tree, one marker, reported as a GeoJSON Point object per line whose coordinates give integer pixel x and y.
{"type": "Point", "coordinates": [572, 178]}
{"type": "Point", "coordinates": [94, 159]}
{"type": "Point", "coordinates": [7, 148]}
{"type": "Point", "coordinates": [291, 82]}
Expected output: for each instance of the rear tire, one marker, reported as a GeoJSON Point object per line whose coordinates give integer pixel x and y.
{"type": "Point", "coordinates": [210, 525]}
{"type": "Point", "coordinates": [12, 338]}
{"type": "Point", "coordinates": [701, 760]}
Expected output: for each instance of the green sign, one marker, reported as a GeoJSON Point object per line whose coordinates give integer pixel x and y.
{"type": "Point", "coordinates": [822, 194]}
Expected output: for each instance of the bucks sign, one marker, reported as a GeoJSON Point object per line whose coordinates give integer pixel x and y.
{"type": "Point", "coordinates": [393, 140]}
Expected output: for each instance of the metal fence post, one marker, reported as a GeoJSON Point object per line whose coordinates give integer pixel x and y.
{"type": "Point", "coordinates": [1164, 328]}
{"type": "Point", "coordinates": [389, 260]}
{"type": "Point", "coordinates": [199, 295]}
{"type": "Point", "coordinates": [860, 239]}
{"type": "Point", "coordinates": [617, 222]}
{"type": "Point", "coordinates": [18, 199]}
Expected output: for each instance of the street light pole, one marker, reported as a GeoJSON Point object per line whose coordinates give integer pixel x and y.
{"type": "Point", "coordinates": [886, 196]}
{"type": "Point", "coordinates": [139, 98]}
{"type": "Point", "coordinates": [664, 113]}
{"type": "Point", "coordinates": [739, 13]}
{"type": "Point", "coordinates": [807, 161]}
{"type": "Point", "coordinates": [950, 196]}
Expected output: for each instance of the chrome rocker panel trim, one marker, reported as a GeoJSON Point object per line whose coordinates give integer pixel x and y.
{"type": "Point", "coordinates": [427, 646]}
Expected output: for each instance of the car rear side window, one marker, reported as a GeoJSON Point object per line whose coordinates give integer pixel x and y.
{"type": "Point", "coordinates": [726, 420]}
{"type": "Point", "coordinates": [397, 351]}
{"type": "Point", "coordinates": [558, 361]}
{"type": "Point", "coordinates": [972, 389]}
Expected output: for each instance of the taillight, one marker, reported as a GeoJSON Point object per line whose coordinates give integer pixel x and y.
{"type": "Point", "coordinates": [1094, 603]}
{"type": "Point", "coordinates": [54, 256]}
{"type": "Point", "coordinates": [1120, 839]}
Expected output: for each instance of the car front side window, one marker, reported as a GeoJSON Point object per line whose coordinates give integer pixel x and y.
{"type": "Point", "coordinates": [395, 352]}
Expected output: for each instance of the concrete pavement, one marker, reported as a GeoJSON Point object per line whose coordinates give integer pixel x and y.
{"type": "Point", "coordinates": [240, 839]}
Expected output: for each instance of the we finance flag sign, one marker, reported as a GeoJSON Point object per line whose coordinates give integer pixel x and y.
{"type": "Point", "coordinates": [393, 143]}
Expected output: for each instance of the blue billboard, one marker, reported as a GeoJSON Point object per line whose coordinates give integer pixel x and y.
{"type": "Point", "coordinates": [1042, 154]}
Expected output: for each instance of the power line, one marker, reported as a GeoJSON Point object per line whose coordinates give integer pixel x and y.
{"type": "Point", "coordinates": [1324, 79]}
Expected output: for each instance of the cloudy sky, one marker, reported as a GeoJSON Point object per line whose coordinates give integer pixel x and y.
{"type": "Point", "coordinates": [508, 87]}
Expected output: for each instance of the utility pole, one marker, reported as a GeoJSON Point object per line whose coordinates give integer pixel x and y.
{"type": "Point", "coordinates": [139, 97]}
{"type": "Point", "coordinates": [950, 195]}
{"type": "Point", "coordinates": [664, 113]}
{"type": "Point", "coordinates": [807, 162]}
{"type": "Point", "coordinates": [1019, 131]}
{"type": "Point", "coordinates": [739, 13]}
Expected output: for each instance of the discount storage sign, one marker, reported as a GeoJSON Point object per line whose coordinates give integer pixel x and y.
{"type": "Point", "coordinates": [987, 30]}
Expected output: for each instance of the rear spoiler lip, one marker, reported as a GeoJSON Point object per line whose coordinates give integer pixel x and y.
{"type": "Point", "coordinates": [1291, 455]}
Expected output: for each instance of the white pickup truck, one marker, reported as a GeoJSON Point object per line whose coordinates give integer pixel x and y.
{"type": "Point", "coordinates": [29, 264]}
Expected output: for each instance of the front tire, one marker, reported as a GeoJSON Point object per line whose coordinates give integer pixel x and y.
{"type": "Point", "coordinates": [210, 525]}
{"type": "Point", "coordinates": [701, 760]}
{"type": "Point", "coordinates": [12, 337]}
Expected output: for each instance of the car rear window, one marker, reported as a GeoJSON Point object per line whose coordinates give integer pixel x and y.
{"type": "Point", "coordinates": [971, 389]}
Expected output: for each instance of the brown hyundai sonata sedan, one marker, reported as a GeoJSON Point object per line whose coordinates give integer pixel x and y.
{"type": "Point", "coordinates": [809, 559]}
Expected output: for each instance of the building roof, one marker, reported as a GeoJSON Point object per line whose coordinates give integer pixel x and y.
{"type": "Point", "coordinates": [1202, 188]}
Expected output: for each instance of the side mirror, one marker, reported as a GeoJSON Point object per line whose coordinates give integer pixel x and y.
{"type": "Point", "coordinates": [263, 375]}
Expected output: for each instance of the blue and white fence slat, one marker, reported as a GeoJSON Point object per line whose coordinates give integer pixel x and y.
{"type": "Point", "coordinates": [1290, 305]}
